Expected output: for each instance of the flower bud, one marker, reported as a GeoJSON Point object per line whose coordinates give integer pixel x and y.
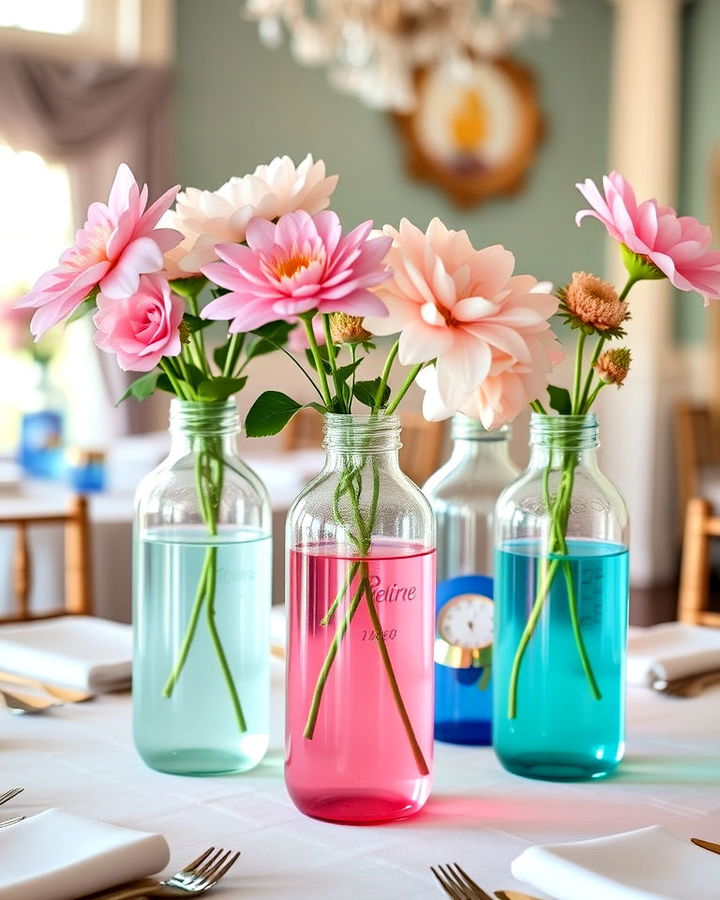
{"type": "Point", "coordinates": [613, 366]}
{"type": "Point", "coordinates": [345, 329]}
{"type": "Point", "coordinates": [184, 332]}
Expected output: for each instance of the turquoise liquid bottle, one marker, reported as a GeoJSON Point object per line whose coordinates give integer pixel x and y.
{"type": "Point", "coordinates": [463, 493]}
{"type": "Point", "coordinates": [561, 608]}
{"type": "Point", "coordinates": [201, 602]}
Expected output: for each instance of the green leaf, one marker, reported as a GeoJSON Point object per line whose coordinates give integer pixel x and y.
{"type": "Point", "coordinates": [323, 359]}
{"type": "Point", "coordinates": [220, 355]}
{"type": "Point", "coordinates": [560, 400]}
{"type": "Point", "coordinates": [270, 413]}
{"type": "Point", "coordinates": [194, 375]}
{"type": "Point", "coordinates": [142, 387]}
{"type": "Point", "coordinates": [220, 388]}
{"type": "Point", "coordinates": [219, 292]}
{"type": "Point", "coordinates": [188, 287]}
{"type": "Point", "coordinates": [164, 384]}
{"type": "Point", "coordinates": [195, 323]}
{"type": "Point", "coordinates": [344, 372]}
{"type": "Point", "coordinates": [87, 306]}
{"type": "Point", "coordinates": [366, 391]}
{"type": "Point", "coordinates": [270, 337]}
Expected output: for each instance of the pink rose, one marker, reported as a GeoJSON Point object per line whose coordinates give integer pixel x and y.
{"type": "Point", "coordinates": [142, 328]}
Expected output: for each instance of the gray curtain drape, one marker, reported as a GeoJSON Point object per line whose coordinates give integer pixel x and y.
{"type": "Point", "coordinates": [91, 116]}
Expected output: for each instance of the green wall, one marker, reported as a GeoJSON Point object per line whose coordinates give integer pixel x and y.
{"type": "Point", "coordinates": [240, 104]}
{"type": "Point", "coordinates": [699, 135]}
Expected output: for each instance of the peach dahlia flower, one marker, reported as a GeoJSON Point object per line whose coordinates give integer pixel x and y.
{"type": "Point", "coordinates": [465, 309]}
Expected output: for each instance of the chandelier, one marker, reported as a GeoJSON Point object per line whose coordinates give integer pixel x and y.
{"type": "Point", "coordinates": [373, 47]}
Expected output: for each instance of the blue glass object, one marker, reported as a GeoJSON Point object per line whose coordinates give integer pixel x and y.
{"type": "Point", "coordinates": [463, 493]}
{"type": "Point", "coordinates": [560, 731]}
{"type": "Point", "coordinates": [41, 454]}
{"type": "Point", "coordinates": [86, 471]}
{"type": "Point", "coordinates": [463, 694]}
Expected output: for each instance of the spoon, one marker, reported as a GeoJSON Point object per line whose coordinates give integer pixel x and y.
{"type": "Point", "coordinates": [69, 695]}
{"type": "Point", "coordinates": [21, 704]}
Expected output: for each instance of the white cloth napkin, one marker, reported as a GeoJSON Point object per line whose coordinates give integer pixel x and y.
{"type": "Point", "coordinates": [77, 651]}
{"type": "Point", "coordinates": [671, 650]}
{"type": "Point", "coordinates": [648, 864]}
{"type": "Point", "coordinates": [58, 856]}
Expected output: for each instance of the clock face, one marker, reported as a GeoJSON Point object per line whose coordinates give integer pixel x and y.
{"type": "Point", "coordinates": [467, 621]}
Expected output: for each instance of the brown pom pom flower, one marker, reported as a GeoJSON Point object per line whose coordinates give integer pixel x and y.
{"type": "Point", "coordinates": [345, 329]}
{"type": "Point", "coordinates": [612, 367]}
{"type": "Point", "coordinates": [593, 305]}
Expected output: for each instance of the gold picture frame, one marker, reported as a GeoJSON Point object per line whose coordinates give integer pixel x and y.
{"type": "Point", "coordinates": [474, 132]}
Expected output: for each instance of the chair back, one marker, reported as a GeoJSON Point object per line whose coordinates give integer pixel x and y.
{"type": "Point", "coordinates": [77, 561]}
{"type": "Point", "coordinates": [422, 447]}
{"type": "Point", "coordinates": [697, 429]}
{"type": "Point", "coordinates": [304, 431]}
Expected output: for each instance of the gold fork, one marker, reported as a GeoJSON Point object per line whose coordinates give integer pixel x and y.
{"type": "Point", "coordinates": [457, 883]}
{"type": "Point", "coordinates": [196, 877]}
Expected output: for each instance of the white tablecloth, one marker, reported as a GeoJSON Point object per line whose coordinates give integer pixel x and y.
{"type": "Point", "coordinates": [81, 759]}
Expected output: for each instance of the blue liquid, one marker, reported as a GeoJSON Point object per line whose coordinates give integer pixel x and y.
{"type": "Point", "coordinates": [561, 732]}
{"type": "Point", "coordinates": [195, 731]}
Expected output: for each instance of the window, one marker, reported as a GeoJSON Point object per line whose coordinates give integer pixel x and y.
{"type": "Point", "coordinates": [122, 30]}
{"type": "Point", "coordinates": [35, 229]}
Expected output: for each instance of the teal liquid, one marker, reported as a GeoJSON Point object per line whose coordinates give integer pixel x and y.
{"type": "Point", "coordinates": [561, 732]}
{"type": "Point", "coordinates": [195, 731]}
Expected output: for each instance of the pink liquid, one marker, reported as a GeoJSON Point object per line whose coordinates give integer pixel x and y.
{"type": "Point", "coordinates": [359, 765]}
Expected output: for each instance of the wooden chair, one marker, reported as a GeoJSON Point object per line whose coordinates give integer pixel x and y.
{"type": "Point", "coordinates": [77, 561]}
{"type": "Point", "coordinates": [700, 526]}
{"type": "Point", "coordinates": [697, 436]}
{"type": "Point", "coordinates": [422, 447]}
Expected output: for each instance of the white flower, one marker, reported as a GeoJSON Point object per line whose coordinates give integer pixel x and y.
{"type": "Point", "coordinates": [207, 218]}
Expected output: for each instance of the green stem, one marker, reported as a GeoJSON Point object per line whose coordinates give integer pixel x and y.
{"type": "Point", "coordinates": [577, 632]}
{"type": "Point", "coordinates": [332, 357]}
{"type": "Point", "coordinates": [405, 387]}
{"type": "Point", "coordinates": [578, 373]}
{"type": "Point", "coordinates": [390, 672]}
{"type": "Point", "coordinates": [190, 632]}
{"type": "Point", "coordinates": [385, 376]}
{"type": "Point", "coordinates": [233, 354]}
{"type": "Point", "coordinates": [315, 350]}
{"type": "Point", "coordinates": [537, 407]}
{"type": "Point", "coordinates": [591, 372]}
{"type": "Point", "coordinates": [177, 385]}
{"type": "Point", "coordinates": [197, 339]}
{"type": "Point", "coordinates": [591, 399]}
{"type": "Point", "coordinates": [217, 643]}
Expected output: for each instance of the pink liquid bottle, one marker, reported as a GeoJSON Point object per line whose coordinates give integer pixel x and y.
{"type": "Point", "coordinates": [361, 583]}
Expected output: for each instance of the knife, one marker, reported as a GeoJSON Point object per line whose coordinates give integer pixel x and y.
{"type": "Point", "coordinates": [706, 845]}
{"type": "Point", "coordinates": [513, 895]}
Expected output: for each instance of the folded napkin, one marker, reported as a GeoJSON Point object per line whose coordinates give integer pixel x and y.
{"type": "Point", "coordinates": [58, 856]}
{"type": "Point", "coordinates": [671, 650]}
{"type": "Point", "coordinates": [648, 864]}
{"type": "Point", "coordinates": [77, 651]}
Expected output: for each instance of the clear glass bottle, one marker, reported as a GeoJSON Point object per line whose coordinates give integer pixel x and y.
{"type": "Point", "coordinates": [361, 588]}
{"type": "Point", "coordinates": [463, 494]}
{"type": "Point", "coordinates": [561, 610]}
{"type": "Point", "coordinates": [201, 601]}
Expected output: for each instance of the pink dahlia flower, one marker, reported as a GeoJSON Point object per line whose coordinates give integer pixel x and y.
{"type": "Point", "coordinates": [207, 218]}
{"type": "Point", "coordinates": [508, 388]}
{"type": "Point", "coordinates": [118, 243]}
{"type": "Point", "coordinates": [142, 328]}
{"type": "Point", "coordinates": [299, 264]}
{"type": "Point", "coordinates": [677, 245]}
{"type": "Point", "coordinates": [461, 307]}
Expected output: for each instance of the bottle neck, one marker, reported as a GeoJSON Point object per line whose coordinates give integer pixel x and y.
{"type": "Point", "coordinates": [556, 440]}
{"type": "Point", "coordinates": [351, 439]}
{"type": "Point", "coordinates": [197, 426]}
{"type": "Point", "coordinates": [471, 443]}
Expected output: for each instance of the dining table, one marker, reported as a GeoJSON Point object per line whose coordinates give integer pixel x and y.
{"type": "Point", "coordinates": [80, 758]}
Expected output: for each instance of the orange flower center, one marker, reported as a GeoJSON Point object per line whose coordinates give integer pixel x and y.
{"type": "Point", "coordinates": [286, 268]}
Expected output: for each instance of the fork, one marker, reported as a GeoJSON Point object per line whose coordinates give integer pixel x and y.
{"type": "Point", "coordinates": [24, 704]}
{"type": "Point", "coordinates": [458, 884]}
{"type": "Point", "coordinates": [196, 877]}
{"type": "Point", "coordinates": [8, 795]}
{"type": "Point", "coordinates": [13, 821]}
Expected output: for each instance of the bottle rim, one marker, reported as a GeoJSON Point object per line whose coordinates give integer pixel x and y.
{"type": "Point", "coordinates": [564, 432]}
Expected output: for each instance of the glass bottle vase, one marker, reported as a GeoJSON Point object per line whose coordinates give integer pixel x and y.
{"type": "Point", "coordinates": [201, 601]}
{"type": "Point", "coordinates": [561, 610]}
{"type": "Point", "coordinates": [361, 582]}
{"type": "Point", "coordinates": [463, 494]}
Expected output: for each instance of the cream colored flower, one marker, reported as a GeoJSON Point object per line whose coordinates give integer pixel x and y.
{"type": "Point", "coordinates": [207, 218]}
